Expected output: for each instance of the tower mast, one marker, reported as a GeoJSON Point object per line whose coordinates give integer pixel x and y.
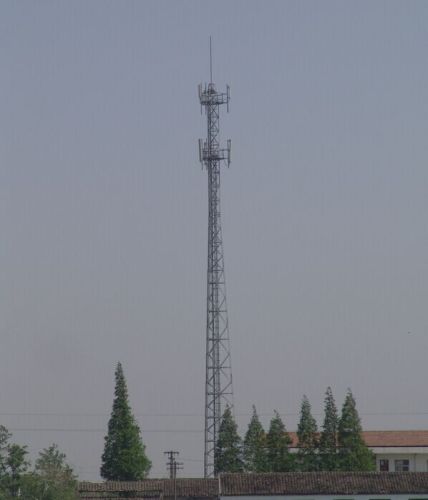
{"type": "Point", "coordinates": [218, 375]}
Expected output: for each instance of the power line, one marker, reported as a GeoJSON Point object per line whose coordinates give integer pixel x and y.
{"type": "Point", "coordinates": [65, 429]}
{"type": "Point", "coordinates": [199, 415]}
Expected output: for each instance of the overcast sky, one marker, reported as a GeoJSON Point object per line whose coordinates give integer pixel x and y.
{"type": "Point", "coordinates": [103, 214]}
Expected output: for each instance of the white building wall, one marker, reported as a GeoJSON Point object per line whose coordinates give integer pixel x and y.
{"type": "Point", "coordinates": [417, 457]}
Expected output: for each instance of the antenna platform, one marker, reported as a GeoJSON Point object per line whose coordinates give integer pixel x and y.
{"type": "Point", "coordinates": [218, 379]}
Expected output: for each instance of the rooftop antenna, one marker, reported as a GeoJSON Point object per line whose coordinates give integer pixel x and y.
{"type": "Point", "coordinates": [218, 369]}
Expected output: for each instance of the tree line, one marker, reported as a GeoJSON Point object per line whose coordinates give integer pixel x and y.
{"type": "Point", "coordinates": [338, 446]}
{"type": "Point", "coordinates": [51, 478]}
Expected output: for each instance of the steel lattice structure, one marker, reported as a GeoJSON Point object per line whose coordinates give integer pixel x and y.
{"type": "Point", "coordinates": [218, 380]}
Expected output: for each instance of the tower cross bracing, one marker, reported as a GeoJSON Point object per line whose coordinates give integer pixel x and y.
{"type": "Point", "coordinates": [218, 376]}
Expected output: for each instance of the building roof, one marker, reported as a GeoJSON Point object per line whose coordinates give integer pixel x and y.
{"type": "Point", "coordinates": [189, 488]}
{"type": "Point", "coordinates": [385, 439]}
{"type": "Point", "coordinates": [317, 483]}
{"type": "Point", "coordinates": [395, 438]}
{"type": "Point", "coordinates": [287, 483]}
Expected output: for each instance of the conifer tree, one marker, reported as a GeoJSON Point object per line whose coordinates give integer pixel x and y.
{"type": "Point", "coordinates": [278, 440]}
{"type": "Point", "coordinates": [254, 445]}
{"type": "Point", "coordinates": [354, 455]}
{"type": "Point", "coordinates": [228, 451]}
{"type": "Point", "coordinates": [307, 456]}
{"type": "Point", "coordinates": [328, 439]}
{"type": "Point", "coordinates": [124, 457]}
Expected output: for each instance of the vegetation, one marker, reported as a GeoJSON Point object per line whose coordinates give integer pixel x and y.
{"type": "Point", "coordinates": [353, 452]}
{"type": "Point", "coordinates": [51, 479]}
{"type": "Point", "coordinates": [328, 439]}
{"type": "Point", "coordinates": [228, 451]}
{"type": "Point", "coordinates": [278, 441]}
{"type": "Point", "coordinates": [124, 457]}
{"type": "Point", "coordinates": [339, 445]}
{"type": "Point", "coordinates": [307, 433]}
{"type": "Point", "coordinates": [255, 459]}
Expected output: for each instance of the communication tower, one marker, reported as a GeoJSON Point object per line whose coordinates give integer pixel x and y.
{"type": "Point", "coordinates": [218, 377]}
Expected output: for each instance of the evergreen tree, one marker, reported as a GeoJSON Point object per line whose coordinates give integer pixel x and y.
{"type": "Point", "coordinates": [354, 455]}
{"type": "Point", "coordinates": [124, 457]}
{"type": "Point", "coordinates": [228, 450]}
{"type": "Point", "coordinates": [278, 440]}
{"type": "Point", "coordinates": [254, 445]}
{"type": "Point", "coordinates": [328, 440]}
{"type": "Point", "coordinates": [307, 456]}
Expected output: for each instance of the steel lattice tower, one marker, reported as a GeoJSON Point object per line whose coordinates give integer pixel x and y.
{"type": "Point", "coordinates": [218, 379]}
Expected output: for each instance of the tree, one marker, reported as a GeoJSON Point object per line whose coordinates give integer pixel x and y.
{"type": "Point", "coordinates": [354, 455]}
{"type": "Point", "coordinates": [307, 456]}
{"type": "Point", "coordinates": [52, 478]}
{"type": "Point", "coordinates": [59, 480]}
{"type": "Point", "coordinates": [328, 439]}
{"type": "Point", "coordinates": [254, 445]}
{"type": "Point", "coordinates": [13, 465]}
{"type": "Point", "coordinates": [16, 466]}
{"type": "Point", "coordinates": [278, 440]}
{"type": "Point", "coordinates": [4, 440]}
{"type": "Point", "coordinates": [124, 457]}
{"type": "Point", "coordinates": [228, 450]}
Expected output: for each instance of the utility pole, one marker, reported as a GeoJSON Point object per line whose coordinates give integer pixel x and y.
{"type": "Point", "coordinates": [171, 464]}
{"type": "Point", "coordinates": [173, 467]}
{"type": "Point", "coordinates": [218, 369]}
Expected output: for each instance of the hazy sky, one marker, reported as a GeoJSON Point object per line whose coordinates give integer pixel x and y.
{"type": "Point", "coordinates": [103, 214]}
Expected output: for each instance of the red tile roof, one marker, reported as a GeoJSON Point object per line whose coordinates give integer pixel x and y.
{"type": "Point", "coordinates": [378, 439]}
{"type": "Point", "coordinates": [395, 438]}
{"type": "Point", "coordinates": [287, 483]}
{"type": "Point", "coordinates": [196, 488]}
{"type": "Point", "coordinates": [316, 483]}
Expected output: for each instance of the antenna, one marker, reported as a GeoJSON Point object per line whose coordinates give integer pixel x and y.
{"type": "Point", "coordinates": [211, 61]}
{"type": "Point", "coordinates": [218, 369]}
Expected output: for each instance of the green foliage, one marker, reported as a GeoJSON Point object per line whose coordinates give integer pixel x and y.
{"type": "Point", "coordinates": [124, 457]}
{"type": "Point", "coordinates": [328, 441]}
{"type": "Point", "coordinates": [52, 478]}
{"type": "Point", "coordinates": [278, 441]}
{"type": "Point", "coordinates": [55, 475]}
{"type": "Point", "coordinates": [228, 451]}
{"type": "Point", "coordinates": [255, 459]}
{"type": "Point", "coordinates": [13, 465]}
{"type": "Point", "coordinates": [307, 456]}
{"type": "Point", "coordinates": [353, 452]}
{"type": "Point", "coordinates": [5, 435]}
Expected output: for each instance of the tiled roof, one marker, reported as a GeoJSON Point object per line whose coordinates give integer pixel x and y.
{"type": "Point", "coordinates": [189, 488]}
{"type": "Point", "coordinates": [287, 483]}
{"type": "Point", "coordinates": [395, 438]}
{"type": "Point", "coordinates": [377, 439]}
{"type": "Point", "coordinates": [317, 483]}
